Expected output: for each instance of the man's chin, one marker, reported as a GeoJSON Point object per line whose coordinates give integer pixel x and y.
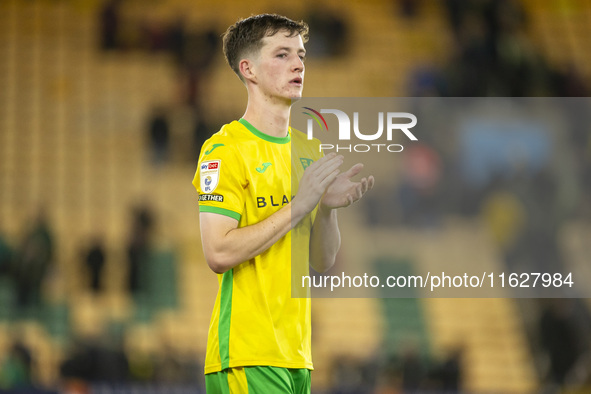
{"type": "Point", "coordinates": [293, 97]}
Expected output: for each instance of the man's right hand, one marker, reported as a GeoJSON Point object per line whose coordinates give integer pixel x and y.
{"type": "Point", "coordinates": [316, 179]}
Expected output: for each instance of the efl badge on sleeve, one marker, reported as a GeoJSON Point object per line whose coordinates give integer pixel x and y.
{"type": "Point", "coordinates": [210, 175]}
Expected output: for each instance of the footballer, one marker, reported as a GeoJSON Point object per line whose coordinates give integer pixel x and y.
{"type": "Point", "coordinates": [259, 336]}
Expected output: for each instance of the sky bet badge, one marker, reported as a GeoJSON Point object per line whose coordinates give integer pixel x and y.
{"type": "Point", "coordinates": [210, 175]}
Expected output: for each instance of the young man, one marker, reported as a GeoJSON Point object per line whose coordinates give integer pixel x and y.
{"type": "Point", "coordinates": [259, 336]}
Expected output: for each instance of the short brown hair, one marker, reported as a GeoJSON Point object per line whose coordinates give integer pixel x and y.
{"type": "Point", "coordinates": [246, 35]}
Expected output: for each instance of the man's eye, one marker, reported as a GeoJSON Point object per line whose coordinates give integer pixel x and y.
{"type": "Point", "coordinates": [303, 58]}
{"type": "Point", "coordinates": [282, 55]}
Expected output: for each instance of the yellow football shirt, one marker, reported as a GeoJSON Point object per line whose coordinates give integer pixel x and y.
{"type": "Point", "coordinates": [247, 175]}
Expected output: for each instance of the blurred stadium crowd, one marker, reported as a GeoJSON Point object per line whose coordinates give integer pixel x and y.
{"type": "Point", "coordinates": [105, 105]}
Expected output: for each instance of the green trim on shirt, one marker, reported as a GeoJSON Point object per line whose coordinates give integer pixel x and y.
{"type": "Point", "coordinates": [221, 211]}
{"type": "Point", "coordinates": [225, 317]}
{"type": "Point", "coordinates": [266, 137]}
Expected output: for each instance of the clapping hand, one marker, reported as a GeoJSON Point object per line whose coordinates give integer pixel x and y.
{"type": "Point", "coordinates": [343, 192]}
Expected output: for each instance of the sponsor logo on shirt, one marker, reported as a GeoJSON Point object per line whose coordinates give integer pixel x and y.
{"type": "Point", "coordinates": [211, 197]}
{"type": "Point", "coordinates": [209, 172]}
{"type": "Point", "coordinates": [274, 201]}
{"type": "Point", "coordinates": [207, 152]}
{"type": "Point", "coordinates": [263, 168]}
{"type": "Point", "coordinates": [306, 162]}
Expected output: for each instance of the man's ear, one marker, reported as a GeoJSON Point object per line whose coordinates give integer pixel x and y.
{"type": "Point", "coordinates": [246, 68]}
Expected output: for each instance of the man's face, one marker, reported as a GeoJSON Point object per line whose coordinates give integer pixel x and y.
{"type": "Point", "coordinates": [279, 67]}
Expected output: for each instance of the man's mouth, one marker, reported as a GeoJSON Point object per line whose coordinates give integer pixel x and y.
{"type": "Point", "coordinates": [296, 81]}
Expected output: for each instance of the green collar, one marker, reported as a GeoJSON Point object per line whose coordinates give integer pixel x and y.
{"type": "Point", "coordinates": [266, 137]}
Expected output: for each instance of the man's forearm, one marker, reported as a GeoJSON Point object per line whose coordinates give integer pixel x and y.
{"type": "Point", "coordinates": [239, 244]}
{"type": "Point", "coordinates": [325, 239]}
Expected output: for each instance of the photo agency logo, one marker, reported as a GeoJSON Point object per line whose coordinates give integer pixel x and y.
{"type": "Point", "coordinates": [379, 142]}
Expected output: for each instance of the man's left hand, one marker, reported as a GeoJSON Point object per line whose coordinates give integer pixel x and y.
{"type": "Point", "coordinates": [343, 192]}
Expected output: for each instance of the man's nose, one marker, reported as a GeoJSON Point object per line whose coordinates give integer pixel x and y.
{"type": "Point", "coordinates": [298, 64]}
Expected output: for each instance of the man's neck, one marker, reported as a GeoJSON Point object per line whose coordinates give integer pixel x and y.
{"type": "Point", "coordinates": [271, 119]}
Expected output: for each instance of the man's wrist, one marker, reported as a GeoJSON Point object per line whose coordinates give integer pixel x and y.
{"type": "Point", "coordinates": [324, 210]}
{"type": "Point", "coordinates": [297, 211]}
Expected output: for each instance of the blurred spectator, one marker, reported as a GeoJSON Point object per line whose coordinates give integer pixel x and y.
{"type": "Point", "coordinates": [110, 24]}
{"type": "Point", "coordinates": [451, 372]}
{"type": "Point", "coordinates": [200, 49]}
{"type": "Point", "coordinates": [34, 261]}
{"type": "Point", "coordinates": [350, 377]}
{"type": "Point", "coordinates": [389, 378]}
{"type": "Point", "coordinates": [413, 371]}
{"type": "Point", "coordinates": [159, 135]}
{"type": "Point", "coordinates": [560, 337]}
{"type": "Point", "coordinates": [201, 132]}
{"type": "Point", "coordinates": [169, 367]}
{"type": "Point", "coordinates": [6, 254]}
{"type": "Point", "coordinates": [409, 8]}
{"type": "Point", "coordinates": [197, 54]}
{"type": "Point", "coordinates": [138, 247]}
{"type": "Point", "coordinates": [569, 83]}
{"type": "Point", "coordinates": [418, 192]}
{"type": "Point", "coordinates": [95, 261]}
{"type": "Point", "coordinates": [93, 361]}
{"type": "Point", "coordinates": [177, 39]}
{"type": "Point", "coordinates": [193, 368]}
{"type": "Point", "coordinates": [455, 13]}
{"type": "Point", "coordinates": [193, 51]}
{"type": "Point", "coordinates": [331, 33]}
{"type": "Point", "coordinates": [375, 206]}
{"type": "Point", "coordinates": [504, 215]}
{"type": "Point", "coordinates": [493, 56]}
{"type": "Point", "coordinates": [155, 35]}
{"type": "Point", "coordinates": [142, 367]}
{"type": "Point", "coordinates": [15, 370]}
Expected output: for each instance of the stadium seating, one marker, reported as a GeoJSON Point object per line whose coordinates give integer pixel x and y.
{"type": "Point", "coordinates": [72, 138]}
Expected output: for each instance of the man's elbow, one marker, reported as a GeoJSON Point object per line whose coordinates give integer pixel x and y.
{"type": "Point", "coordinates": [218, 262]}
{"type": "Point", "coordinates": [217, 268]}
{"type": "Point", "coordinates": [324, 265]}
